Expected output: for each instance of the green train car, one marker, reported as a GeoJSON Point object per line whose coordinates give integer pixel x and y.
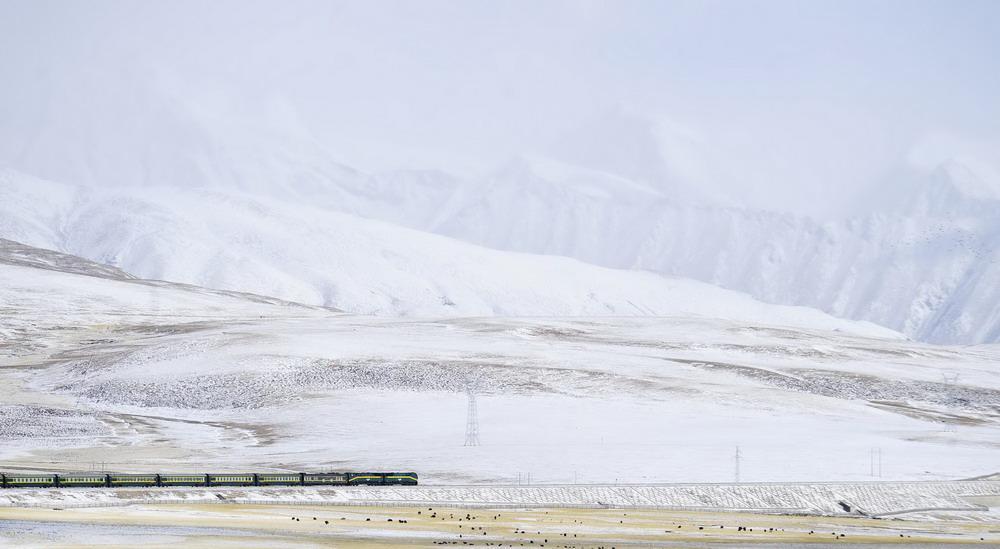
{"type": "Point", "coordinates": [208, 479]}
{"type": "Point", "coordinates": [82, 479]}
{"type": "Point", "coordinates": [320, 479]}
{"type": "Point", "coordinates": [183, 480]}
{"type": "Point", "coordinates": [226, 479]}
{"type": "Point", "coordinates": [279, 479]}
{"type": "Point", "coordinates": [28, 481]}
{"type": "Point", "coordinates": [132, 480]}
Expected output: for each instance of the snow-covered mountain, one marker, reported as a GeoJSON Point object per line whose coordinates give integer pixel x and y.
{"type": "Point", "coordinates": [927, 262]}
{"type": "Point", "coordinates": [924, 261]}
{"type": "Point", "coordinates": [317, 256]}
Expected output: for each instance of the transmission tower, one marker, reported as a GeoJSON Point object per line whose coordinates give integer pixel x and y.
{"type": "Point", "coordinates": [950, 379]}
{"type": "Point", "coordinates": [471, 419]}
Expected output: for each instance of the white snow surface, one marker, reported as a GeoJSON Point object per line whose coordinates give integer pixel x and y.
{"type": "Point", "coordinates": [313, 255]}
{"type": "Point", "coordinates": [150, 376]}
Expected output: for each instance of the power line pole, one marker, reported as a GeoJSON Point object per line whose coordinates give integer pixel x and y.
{"type": "Point", "coordinates": [736, 459]}
{"type": "Point", "coordinates": [471, 419]}
{"type": "Point", "coordinates": [875, 462]}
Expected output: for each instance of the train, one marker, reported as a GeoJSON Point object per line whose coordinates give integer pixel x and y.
{"type": "Point", "coordinates": [114, 480]}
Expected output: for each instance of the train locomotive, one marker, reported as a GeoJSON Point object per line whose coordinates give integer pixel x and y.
{"type": "Point", "coordinates": [115, 480]}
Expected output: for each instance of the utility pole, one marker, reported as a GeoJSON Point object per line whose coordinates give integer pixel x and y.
{"type": "Point", "coordinates": [471, 419]}
{"type": "Point", "coordinates": [736, 459]}
{"type": "Point", "coordinates": [875, 462]}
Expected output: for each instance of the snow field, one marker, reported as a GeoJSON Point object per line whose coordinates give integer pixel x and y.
{"type": "Point", "coordinates": [170, 377]}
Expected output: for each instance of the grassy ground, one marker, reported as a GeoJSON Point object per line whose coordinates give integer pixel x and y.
{"type": "Point", "coordinates": [307, 526]}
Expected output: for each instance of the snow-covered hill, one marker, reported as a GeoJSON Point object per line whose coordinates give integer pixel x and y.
{"type": "Point", "coordinates": [317, 256]}
{"type": "Point", "coordinates": [49, 299]}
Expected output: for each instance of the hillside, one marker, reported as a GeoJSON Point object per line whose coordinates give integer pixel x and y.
{"type": "Point", "coordinates": [141, 376]}
{"type": "Point", "coordinates": [51, 300]}
{"type": "Point", "coordinates": [923, 262]}
{"type": "Point", "coordinates": [313, 255]}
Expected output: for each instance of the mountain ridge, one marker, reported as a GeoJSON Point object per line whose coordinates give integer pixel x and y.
{"type": "Point", "coordinates": [920, 266]}
{"type": "Point", "coordinates": [921, 260]}
{"type": "Point", "coordinates": [317, 256]}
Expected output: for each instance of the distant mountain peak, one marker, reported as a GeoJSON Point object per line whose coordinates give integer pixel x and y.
{"type": "Point", "coordinates": [964, 181]}
{"type": "Point", "coordinates": [950, 189]}
{"type": "Point", "coordinates": [528, 168]}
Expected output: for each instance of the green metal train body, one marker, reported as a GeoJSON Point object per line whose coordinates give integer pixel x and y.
{"type": "Point", "coordinates": [208, 479]}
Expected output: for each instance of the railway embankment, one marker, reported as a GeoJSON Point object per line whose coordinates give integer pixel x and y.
{"type": "Point", "coordinates": [871, 499]}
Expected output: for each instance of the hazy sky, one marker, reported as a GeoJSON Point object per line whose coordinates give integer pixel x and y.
{"type": "Point", "coordinates": [795, 104]}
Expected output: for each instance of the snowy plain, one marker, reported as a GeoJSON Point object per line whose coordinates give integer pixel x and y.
{"type": "Point", "coordinates": [134, 375]}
